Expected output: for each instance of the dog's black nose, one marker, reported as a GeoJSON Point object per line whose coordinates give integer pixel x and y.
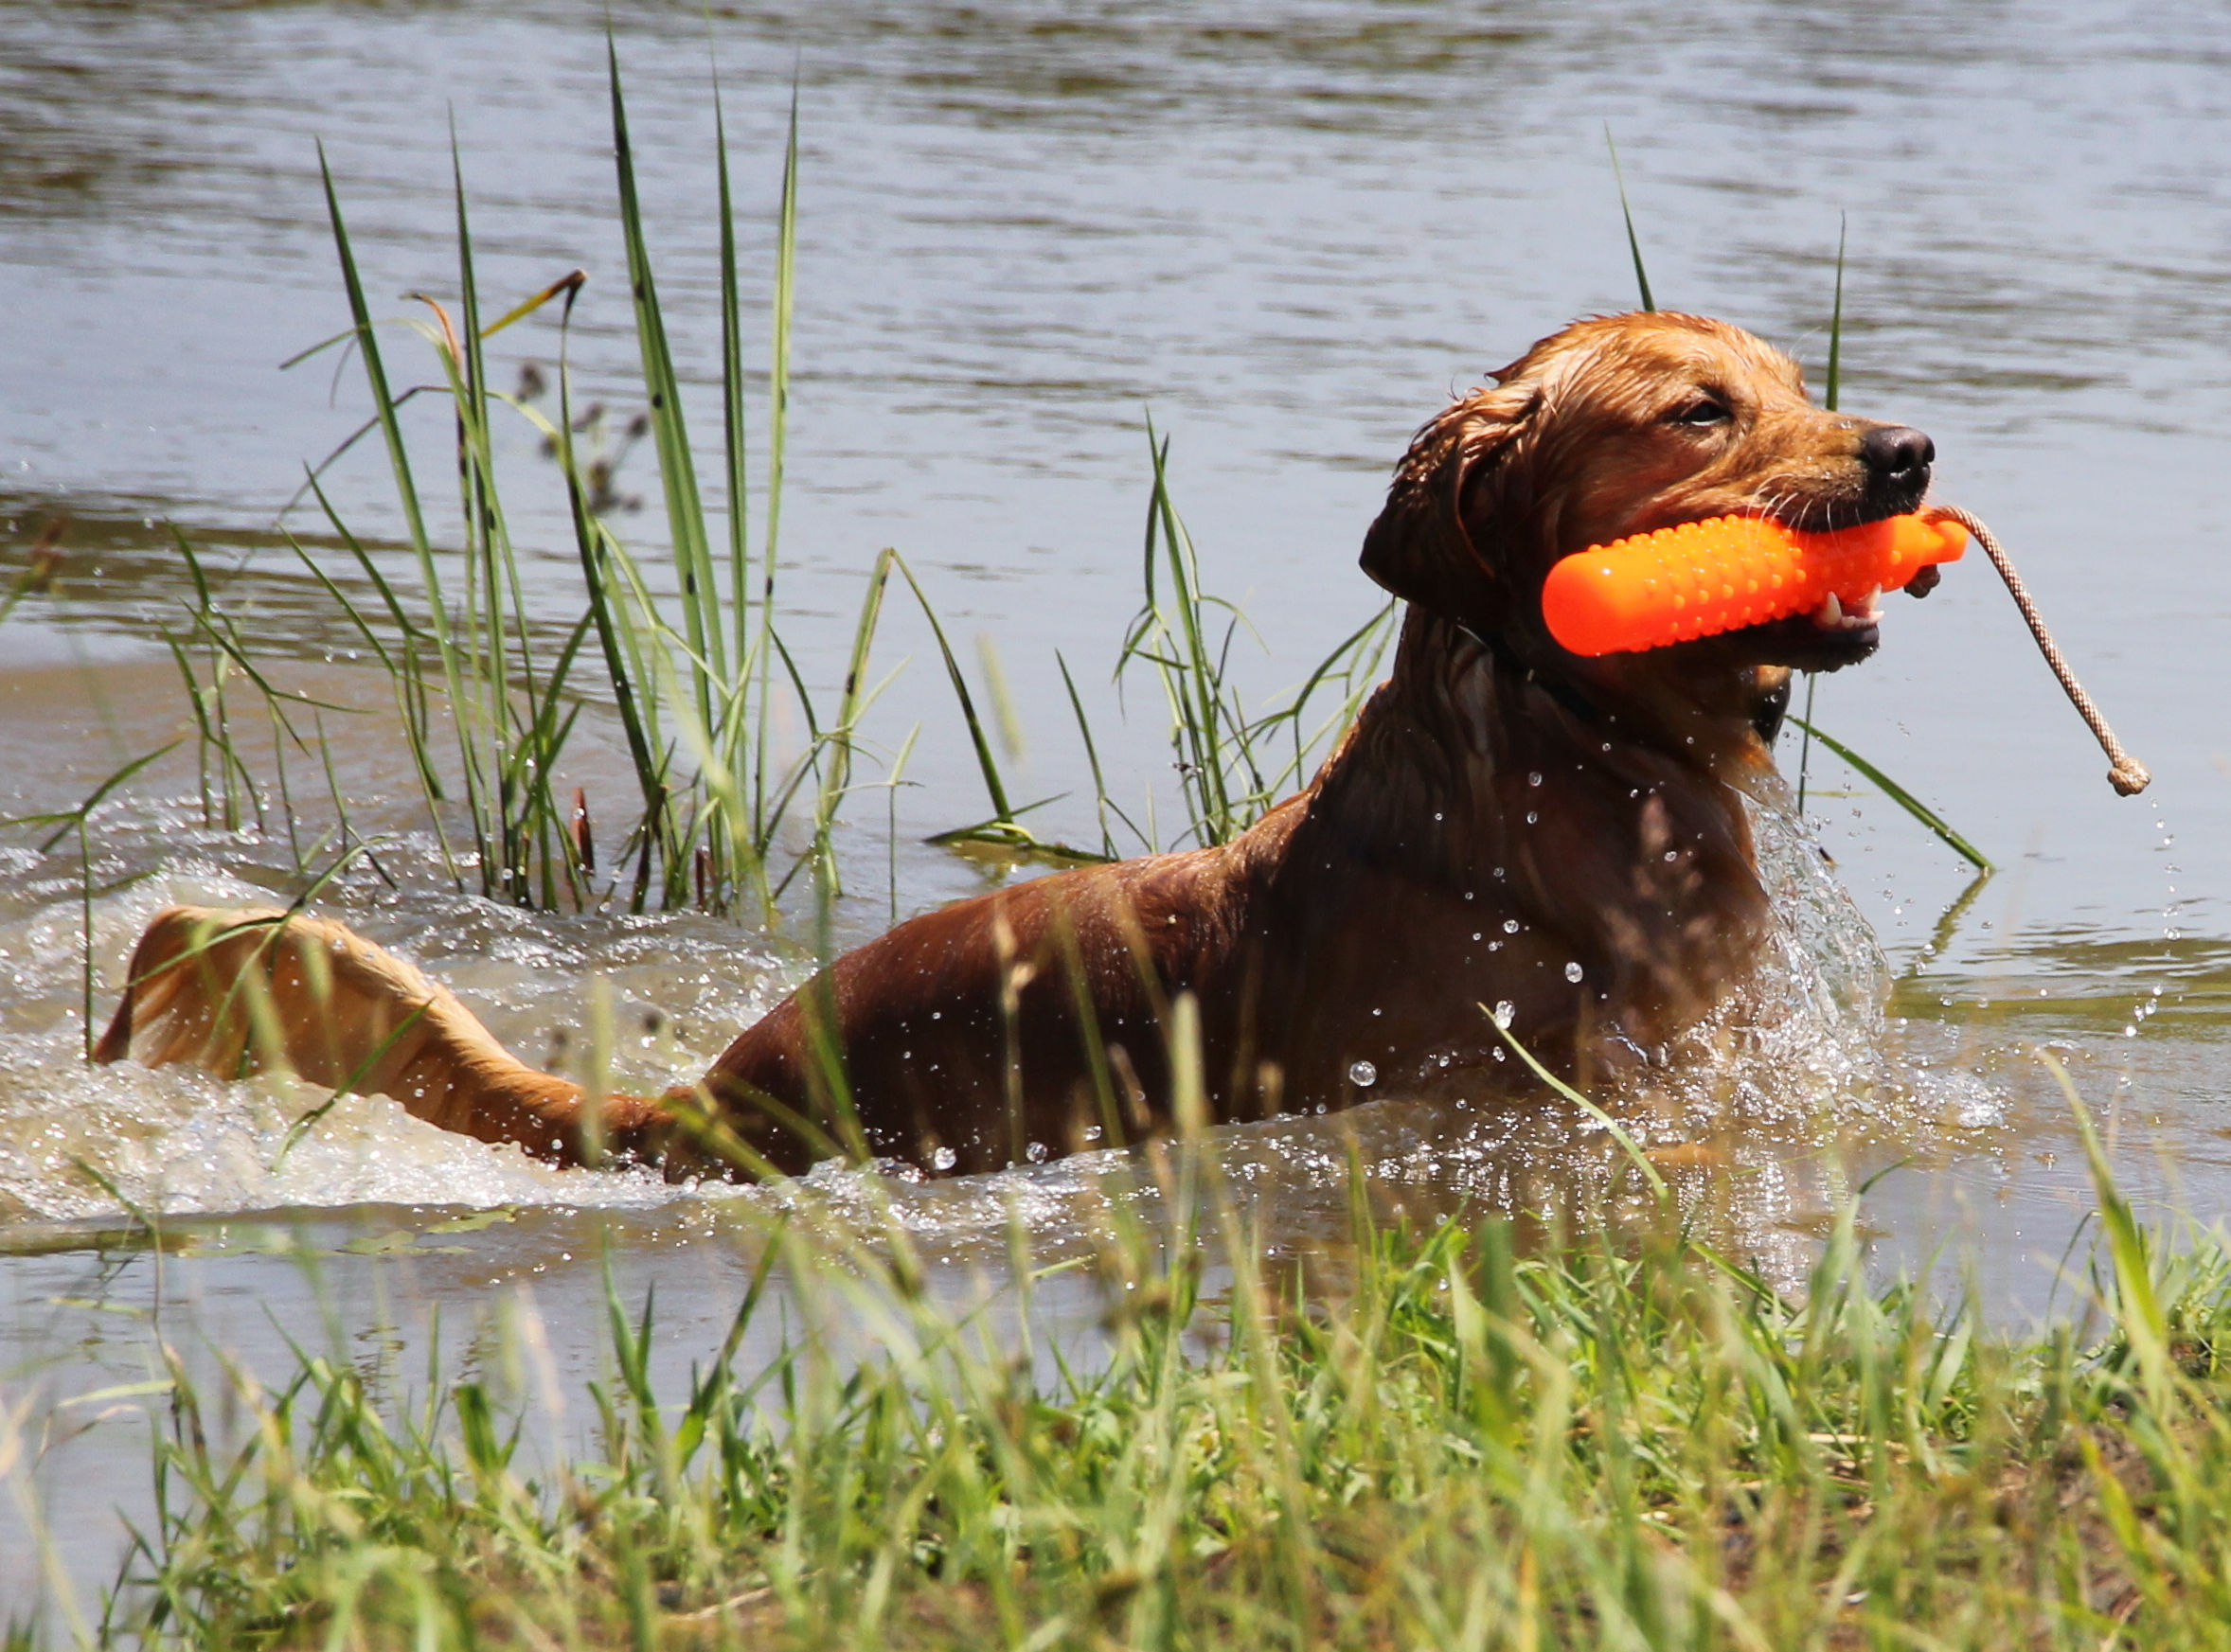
{"type": "Point", "coordinates": [1896, 452]}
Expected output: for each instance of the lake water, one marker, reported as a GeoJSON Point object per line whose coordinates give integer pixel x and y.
{"type": "Point", "coordinates": [1288, 234]}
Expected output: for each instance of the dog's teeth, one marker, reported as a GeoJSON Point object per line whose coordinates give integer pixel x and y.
{"type": "Point", "coordinates": [1829, 617]}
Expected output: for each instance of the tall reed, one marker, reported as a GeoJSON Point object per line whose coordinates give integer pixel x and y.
{"type": "Point", "coordinates": [1234, 764]}
{"type": "Point", "coordinates": [690, 679]}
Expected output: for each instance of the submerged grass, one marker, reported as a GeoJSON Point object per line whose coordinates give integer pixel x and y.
{"type": "Point", "coordinates": [1621, 1441]}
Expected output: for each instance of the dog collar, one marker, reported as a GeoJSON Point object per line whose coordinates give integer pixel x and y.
{"type": "Point", "coordinates": [1570, 699]}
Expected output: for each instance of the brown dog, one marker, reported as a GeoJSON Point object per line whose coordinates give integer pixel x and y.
{"type": "Point", "coordinates": [1505, 824]}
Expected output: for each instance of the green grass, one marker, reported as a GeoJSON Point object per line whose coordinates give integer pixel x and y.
{"type": "Point", "coordinates": [1449, 1440]}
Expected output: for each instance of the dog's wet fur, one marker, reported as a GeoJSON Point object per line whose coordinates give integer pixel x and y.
{"type": "Point", "coordinates": [1507, 824]}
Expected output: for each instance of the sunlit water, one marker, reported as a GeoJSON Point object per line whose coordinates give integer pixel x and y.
{"type": "Point", "coordinates": [1288, 234]}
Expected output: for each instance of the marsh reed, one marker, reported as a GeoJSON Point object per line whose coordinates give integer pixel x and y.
{"type": "Point", "coordinates": [722, 819]}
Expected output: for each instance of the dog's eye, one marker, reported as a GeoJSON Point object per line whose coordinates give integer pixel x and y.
{"type": "Point", "coordinates": [1703, 410]}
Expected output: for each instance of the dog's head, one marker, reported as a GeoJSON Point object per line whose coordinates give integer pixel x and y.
{"type": "Point", "coordinates": [1616, 426]}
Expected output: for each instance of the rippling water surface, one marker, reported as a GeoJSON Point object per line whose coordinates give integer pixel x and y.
{"type": "Point", "coordinates": [1288, 234]}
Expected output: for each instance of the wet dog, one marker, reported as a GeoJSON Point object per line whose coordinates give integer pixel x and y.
{"type": "Point", "coordinates": [1507, 825]}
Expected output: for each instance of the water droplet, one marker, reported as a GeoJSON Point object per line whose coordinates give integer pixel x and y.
{"type": "Point", "coordinates": [944, 1159]}
{"type": "Point", "coordinates": [1534, 778]}
{"type": "Point", "coordinates": [1533, 818]}
{"type": "Point", "coordinates": [1573, 972]}
{"type": "Point", "coordinates": [1510, 926]}
{"type": "Point", "coordinates": [1505, 1010]}
{"type": "Point", "coordinates": [1035, 1152]}
{"type": "Point", "coordinates": [1363, 1075]}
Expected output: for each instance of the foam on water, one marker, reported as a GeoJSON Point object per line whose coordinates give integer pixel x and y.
{"type": "Point", "coordinates": [181, 1142]}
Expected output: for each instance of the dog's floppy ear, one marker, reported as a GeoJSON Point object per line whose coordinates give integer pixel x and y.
{"type": "Point", "coordinates": [1419, 548]}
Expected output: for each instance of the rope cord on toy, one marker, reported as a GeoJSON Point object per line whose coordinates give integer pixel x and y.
{"type": "Point", "coordinates": [2128, 776]}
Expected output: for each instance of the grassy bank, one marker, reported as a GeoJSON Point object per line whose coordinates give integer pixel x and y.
{"type": "Point", "coordinates": [1625, 1441]}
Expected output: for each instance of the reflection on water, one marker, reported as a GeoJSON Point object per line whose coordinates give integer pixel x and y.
{"type": "Point", "coordinates": [1289, 229]}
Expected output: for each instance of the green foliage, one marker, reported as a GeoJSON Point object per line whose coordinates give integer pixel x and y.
{"type": "Point", "coordinates": [1234, 764]}
{"type": "Point", "coordinates": [1616, 1440]}
{"type": "Point", "coordinates": [690, 680]}
{"type": "Point", "coordinates": [1897, 795]}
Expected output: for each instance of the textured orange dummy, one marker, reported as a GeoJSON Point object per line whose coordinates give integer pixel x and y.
{"type": "Point", "coordinates": [1705, 578]}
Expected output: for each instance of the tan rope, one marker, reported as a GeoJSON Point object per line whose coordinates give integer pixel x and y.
{"type": "Point", "coordinates": [2128, 776]}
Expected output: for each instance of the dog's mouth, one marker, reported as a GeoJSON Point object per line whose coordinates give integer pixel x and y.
{"type": "Point", "coordinates": [1826, 640]}
{"type": "Point", "coordinates": [1835, 635]}
{"type": "Point", "coordinates": [1848, 632]}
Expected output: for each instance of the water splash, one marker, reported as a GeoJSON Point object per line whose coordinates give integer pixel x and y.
{"type": "Point", "coordinates": [1804, 1062]}
{"type": "Point", "coordinates": [177, 1141]}
{"type": "Point", "coordinates": [1811, 1041]}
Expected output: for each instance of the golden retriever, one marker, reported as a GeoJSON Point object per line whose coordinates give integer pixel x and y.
{"type": "Point", "coordinates": [1507, 825]}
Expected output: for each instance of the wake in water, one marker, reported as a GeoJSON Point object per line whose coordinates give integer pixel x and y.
{"type": "Point", "coordinates": [1790, 1084]}
{"type": "Point", "coordinates": [178, 1142]}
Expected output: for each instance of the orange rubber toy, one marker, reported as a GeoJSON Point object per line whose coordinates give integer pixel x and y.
{"type": "Point", "coordinates": [1705, 578]}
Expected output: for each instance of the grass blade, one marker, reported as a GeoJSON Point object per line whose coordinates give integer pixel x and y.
{"type": "Point", "coordinates": [1835, 387]}
{"type": "Point", "coordinates": [1627, 212]}
{"type": "Point", "coordinates": [677, 470]}
{"type": "Point", "coordinates": [1903, 798]}
{"type": "Point", "coordinates": [1002, 813]}
{"type": "Point", "coordinates": [406, 488]}
{"type": "Point", "coordinates": [1618, 1131]}
{"type": "Point", "coordinates": [837, 776]}
{"type": "Point", "coordinates": [732, 406]}
{"type": "Point", "coordinates": [1836, 321]}
{"type": "Point", "coordinates": [786, 251]}
{"type": "Point", "coordinates": [2137, 1302]}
